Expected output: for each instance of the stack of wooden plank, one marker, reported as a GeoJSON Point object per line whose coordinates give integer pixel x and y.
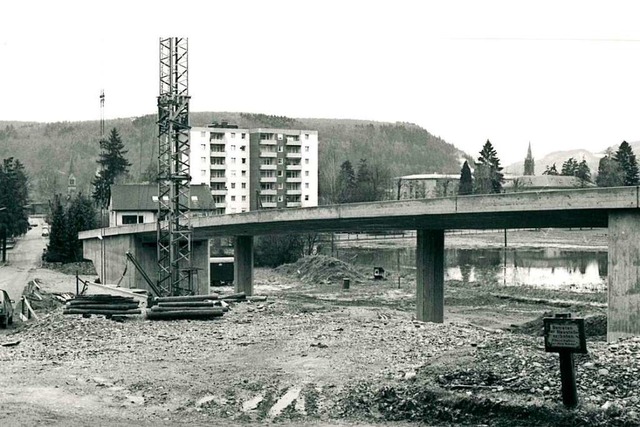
{"type": "Point", "coordinates": [107, 305]}
{"type": "Point", "coordinates": [199, 307]}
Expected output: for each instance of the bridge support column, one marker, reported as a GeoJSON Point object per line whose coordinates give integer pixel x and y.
{"type": "Point", "coordinates": [623, 317]}
{"type": "Point", "coordinates": [243, 268]}
{"type": "Point", "coordinates": [430, 276]}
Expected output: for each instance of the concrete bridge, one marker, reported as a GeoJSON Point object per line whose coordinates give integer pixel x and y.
{"type": "Point", "coordinates": [615, 208]}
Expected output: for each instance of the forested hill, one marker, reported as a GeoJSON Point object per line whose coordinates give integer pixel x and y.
{"type": "Point", "coordinates": [47, 149]}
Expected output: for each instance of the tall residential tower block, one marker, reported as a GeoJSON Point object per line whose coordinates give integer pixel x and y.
{"type": "Point", "coordinates": [252, 169]}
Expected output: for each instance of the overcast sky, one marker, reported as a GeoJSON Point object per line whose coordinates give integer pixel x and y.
{"type": "Point", "coordinates": [561, 74]}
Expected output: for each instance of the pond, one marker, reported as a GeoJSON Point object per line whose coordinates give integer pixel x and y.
{"type": "Point", "coordinates": [549, 268]}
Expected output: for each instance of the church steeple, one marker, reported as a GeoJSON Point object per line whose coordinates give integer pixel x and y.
{"type": "Point", "coordinates": [529, 163]}
{"type": "Point", "coordinates": [71, 182]}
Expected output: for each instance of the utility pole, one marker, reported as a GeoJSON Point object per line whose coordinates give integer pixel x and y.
{"type": "Point", "coordinates": [103, 268]}
{"type": "Point", "coordinates": [175, 273]}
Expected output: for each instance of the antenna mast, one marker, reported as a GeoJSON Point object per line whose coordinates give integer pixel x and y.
{"type": "Point", "coordinates": [174, 228]}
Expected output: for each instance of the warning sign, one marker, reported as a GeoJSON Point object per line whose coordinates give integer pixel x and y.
{"type": "Point", "coordinates": [564, 334]}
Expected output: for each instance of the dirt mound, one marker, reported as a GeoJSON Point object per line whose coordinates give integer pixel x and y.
{"type": "Point", "coordinates": [594, 326]}
{"type": "Point", "coordinates": [321, 268]}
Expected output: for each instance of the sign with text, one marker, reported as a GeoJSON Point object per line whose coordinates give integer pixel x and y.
{"type": "Point", "coordinates": [564, 335]}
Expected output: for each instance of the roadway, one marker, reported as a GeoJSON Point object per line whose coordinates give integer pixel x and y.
{"type": "Point", "coordinates": [23, 260]}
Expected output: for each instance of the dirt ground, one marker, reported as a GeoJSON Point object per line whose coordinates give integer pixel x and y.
{"type": "Point", "coordinates": [315, 354]}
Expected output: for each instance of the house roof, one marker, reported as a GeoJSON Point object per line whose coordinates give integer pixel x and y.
{"type": "Point", "coordinates": [139, 197]}
{"type": "Point", "coordinates": [425, 176]}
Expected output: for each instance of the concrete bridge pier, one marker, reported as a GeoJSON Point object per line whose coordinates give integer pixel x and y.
{"type": "Point", "coordinates": [243, 268]}
{"type": "Point", "coordinates": [430, 276]}
{"type": "Point", "coordinates": [623, 318]}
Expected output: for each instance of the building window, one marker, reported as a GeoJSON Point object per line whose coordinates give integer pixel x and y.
{"type": "Point", "coordinates": [306, 173]}
{"type": "Point", "coordinates": [280, 136]}
{"type": "Point", "coordinates": [243, 147]}
{"type": "Point", "coordinates": [243, 135]}
{"type": "Point", "coordinates": [306, 185]}
{"type": "Point", "coordinates": [233, 185]}
{"type": "Point", "coordinates": [244, 198]}
{"type": "Point", "coordinates": [203, 159]}
{"type": "Point", "coordinates": [232, 148]}
{"type": "Point", "coordinates": [203, 172]}
{"type": "Point", "coordinates": [233, 160]}
{"type": "Point", "coordinates": [306, 136]}
{"type": "Point", "coordinates": [280, 198]}
{"type": "Point", "coordinates": [203, 133]}
{"type": "Point", "coordinates": [280, 186]}
{"type": "Point", "coordinates": [233, 173]}
{"type": "Point", "coordinates": [244, 160]}
{"type": "Point", "coordinates": [306, 148]}
{"type": "Point", "coordinates": [306, 161]}
{"type": "Point", "coordinates": [243, 210]}
{"type": "Point", "coordinates": [233, 198]}
{"type": "Point", "coordinates": [129, 219]}
{"type": "Point", "coordinates": [280, 161]}
{"type": "Point", "coordinates": [203, 146]}
{"type": "Point", "coordinates": [306, 197]}
{"type": "Point", "coordinates": [243, 185]}
{"type": "Point", "coordinates": [280, 148]}
{"type": "Point", "coordinates": [233, 134]}
{"type": "Point", "coordinates": [279, 173]}
{"type": "Point", "coordinates": [244, 173]}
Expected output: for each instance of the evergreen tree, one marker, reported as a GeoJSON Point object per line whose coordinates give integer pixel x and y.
{"type": "Point", "coordinates": [80, 216]}
{"type": "Point", "coordinates": [550, 170]}
{"type": "Point", "coordinates": [488, 172]}
{"type": "Point", "coordinates": [364, 191]}
{"type": "Point", "coordinates": [583, 173]}
{"type": "Point", "coordinates": [14, 196]}
{"type": "Point", "coordinates": [57, 248]}
{"type": "Point", "coordinates": [569, 167]}
{"type": "Point", "coordinates": [609, 172]}
{"type": "Point", "coordinates": [346, 183]}
{"type": "Point", "coordinates": [113, 165]}
{"type": "Point", "coordinates": [466, 180]}
{"type": "Point", "coordinates": [628, 164]}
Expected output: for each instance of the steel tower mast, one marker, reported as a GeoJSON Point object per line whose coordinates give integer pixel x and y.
{"type": "Point", "coordinates": [174, 228]}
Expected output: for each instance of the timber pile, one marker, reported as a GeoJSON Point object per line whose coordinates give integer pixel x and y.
{"type": "Point", "coordinates": [197, 307]}
{"type": "Point", "coordinates": [107, 305]}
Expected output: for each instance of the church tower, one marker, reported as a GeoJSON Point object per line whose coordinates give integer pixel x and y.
{"type": "Point", "coordinates": [529, 163]}
{"type": "Point", "coordinates": [72, 186]}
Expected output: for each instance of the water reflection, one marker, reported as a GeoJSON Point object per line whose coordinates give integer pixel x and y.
{"type": "Point", "coordinates": [552, 268]}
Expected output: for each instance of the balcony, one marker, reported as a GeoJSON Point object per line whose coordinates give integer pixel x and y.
{"type": "Point", "coordinates": [218, 192]}
{"type": "Point", "coordinates": [294, 167]}
{"type": "Point", "coordinates": [294, 179]}
{"type": "Point", "coordinates": [291, 141]}
{"type": "Point", "coordinates": [294, 204]}
{"type": "Point", "coordinates": [217, 167]}
{"type": "Point", "coordinates": [217, 154]}
{"type": "Point", "coordinates": [268, 154]}
{"type": "Point", "coordinates": [294, 155]}
{"type": "Point", "coordinates": [294, 192]}
{"type": "Point", "coordinates": [268, 167]}
{"type": "Point", "coordinates": [221, 205]}
{"type": "Point", "coordinates": [268, 192]}
{"type": "Point", "coordinates": [218, 179]}
{"type": "Point", "coordinates": [269, 204]}
{"type": "Point", "coordinates": [268, 179]}
{"type": "Point", "coordinates": [268, 142]}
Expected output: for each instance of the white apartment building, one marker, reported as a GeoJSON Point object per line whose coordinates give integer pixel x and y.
{"type": "Point", "coordinates": [251, 169]}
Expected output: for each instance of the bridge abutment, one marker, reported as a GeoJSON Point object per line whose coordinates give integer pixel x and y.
{"type": "Point", "coordinates": [623, 318]}
{"type": "Point", "coordinates": [430, 276]}
{"type": "Point", "coordinates": [243, 268]}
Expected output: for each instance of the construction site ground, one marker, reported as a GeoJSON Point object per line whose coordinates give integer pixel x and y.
{"type": "Point", "coordinates": [315, 354]}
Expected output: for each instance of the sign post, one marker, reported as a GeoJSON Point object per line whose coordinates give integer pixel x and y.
{"type": "Point", "coordinates": [565, 335]}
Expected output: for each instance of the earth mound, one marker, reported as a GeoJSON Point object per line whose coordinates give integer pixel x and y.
{"type": "Point", "coordinates": [321, 268]}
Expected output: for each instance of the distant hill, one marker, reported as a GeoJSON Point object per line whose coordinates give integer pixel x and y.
{"type": "Point", "coordinates": [47, 149]}
{"type": "Point", "coordinates": [557, 157]}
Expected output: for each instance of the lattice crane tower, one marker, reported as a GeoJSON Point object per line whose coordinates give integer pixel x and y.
{"type": "Point", "coordinates": [174, 228]}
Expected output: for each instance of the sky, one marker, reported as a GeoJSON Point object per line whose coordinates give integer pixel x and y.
{"type": "Point", "coordinates": [561, 75]}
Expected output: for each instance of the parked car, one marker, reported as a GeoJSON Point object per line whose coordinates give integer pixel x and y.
{"type": "Point", "coordinates": [6, 309]}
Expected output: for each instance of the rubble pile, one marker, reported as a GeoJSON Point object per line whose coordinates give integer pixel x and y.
{"type": "Point", "coordinates": [322, 269]}
{"type": "Point", "coordinates": [102, 304]}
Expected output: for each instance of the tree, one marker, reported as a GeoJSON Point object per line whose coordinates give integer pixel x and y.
{"type": "Point", "coordinates": [14, 197]}
{"type": "Point", "coordinates": [113, 165]}
{"type": "Point", "coordinates": [550, 170]}
{"type": "Point", "coordinates": [569, 167]}
{"type": "Point", "coordinates": [363, 191]}
{"type": "Point", "coordinates": [466, 180]}
{"type": "Point", "coordinates": [56, 249]}
{"type": "Point", "coordinates": [488, 172]}
{"type": "Point", "coordinates": [583, 173]}
{"type": "Point", "coordinates": [346, 183]}
{"type": "Point", "coordinates": [609, 172]}
{"type": "Point", "coordinates": [80, 216]}
{"type": "Point", "coordinates": [628, 164]}
{"type": "Point", "coordinates": [272, 251]}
